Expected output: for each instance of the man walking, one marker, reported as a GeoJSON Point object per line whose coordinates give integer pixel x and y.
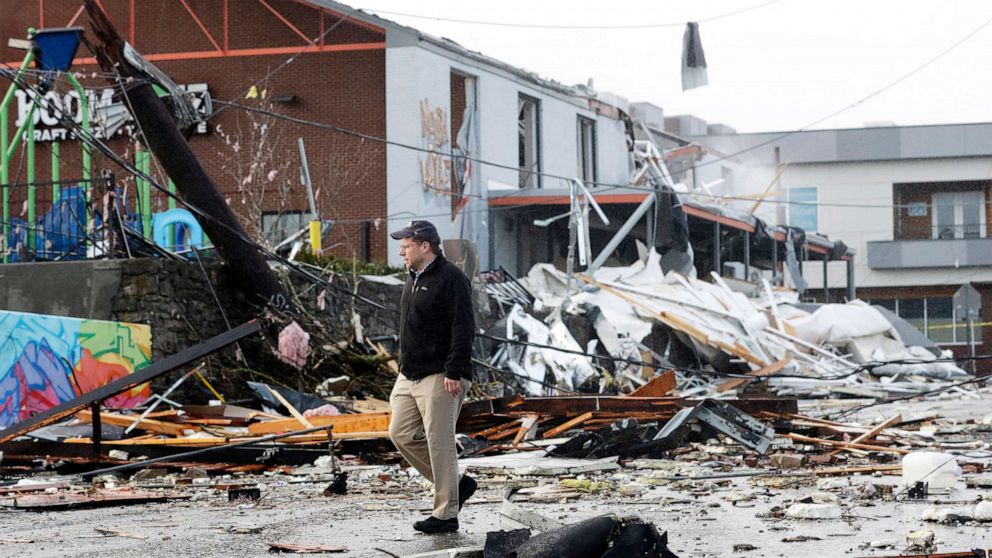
{"type": "Point", "coordinates": [436, 332]}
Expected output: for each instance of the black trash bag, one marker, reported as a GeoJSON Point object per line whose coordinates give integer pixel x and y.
{"type": "Point", "coordinates": [640, 540]}
{"type": "Point", "coordinates": [500, 544]}
{"type": "Point", "coordinates": [585, 539]}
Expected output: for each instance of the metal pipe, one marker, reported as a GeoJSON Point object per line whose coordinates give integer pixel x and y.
{"type": "Point", "coordinates": [622, 233]}
{"type": "Point", "coordinates": [84, 109]}
{"type": "Point", "coordinates": [774, 258]}
{"type": "Point", "coordinates": [851, 293]}
{"type": "Point", "coordinates": [179, 456]}
{"type": "Point", "coordinates": [32, 199]}
{"type": "Point", "coordinates": [717, 264]}
{"type": "Point", "coordinates": [826, 287]}
{"type": "Point", "coordinates": [747, 256]}
{"type": "Point", "coordinates": [142, 160]}
{"type": "Point", "coordinates": [56, 187]}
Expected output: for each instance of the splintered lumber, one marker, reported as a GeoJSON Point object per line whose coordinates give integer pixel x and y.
{"type": "Point", "coordinates": [871, 433]}
{"type": "Point", "coordinates": [320, 438]}
{"type": "Point", "coordinates": [574, 405]}
{"type": "Point", "coordinates": [866, 447]}
{"type": "Point", "coordinates": [659, 386]}
{"type": "Point", "coordinates": [769, 370]}
{"type": "Point", "coordinates": [515, 431]}
{"type": "Point", "coordinates": [148, 425]}
{"type": "Point", "coordinates": [147, 462]}
{"type": "Point", "coordinates": [529, 422]}
{"type": "Point", "coordinates": [566, 426]}
{"type": "Point", "coordinates": [362, 422]}
{"type": "Point", "coordinates": [66, 500]}
{"type": "Point", "coordinates": [292, 410]}
{"type": "Point", "coordinates": [495, 429]}
{"type": "Point", "coordinates": [124, 383]}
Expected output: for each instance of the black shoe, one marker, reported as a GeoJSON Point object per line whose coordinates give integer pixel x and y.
{"type": "Point", "coordinates": [433, 525]}
{"type": "Point", "coordinates": [466, 488]}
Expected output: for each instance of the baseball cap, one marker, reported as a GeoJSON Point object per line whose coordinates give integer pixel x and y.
{"type": "Point", "coordinates": [423, 229]}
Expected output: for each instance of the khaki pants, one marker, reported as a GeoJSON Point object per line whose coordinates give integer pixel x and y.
{"type": "Point", "coordinates": [423, 429]}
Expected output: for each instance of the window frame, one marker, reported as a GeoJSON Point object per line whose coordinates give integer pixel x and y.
{"type": "Point", "coordinates": [587, 170]}
{"type": "Point", "coordinates": [959, 200]}
{"type": "Point", "coordinates": [529, 178]}
{"type": "Point", "coordinates": [956, 322]}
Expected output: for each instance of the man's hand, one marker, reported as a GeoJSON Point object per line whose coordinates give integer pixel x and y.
{"type": "Point", "coordinates": [454, 387]}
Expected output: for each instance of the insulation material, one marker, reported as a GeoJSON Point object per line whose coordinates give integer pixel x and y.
{"type": "Point", "coordinates": [839, 323]}
{"type": "Point", "coordinates": [567, 369]}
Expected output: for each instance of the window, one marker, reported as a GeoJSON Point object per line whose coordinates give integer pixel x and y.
{"type": "Point", "coordinates": [276, 227]}
{"type": "Point", "coordinates": [803, 209]}
{"type": "Point", "coordinates": [529, 143]}
{"type": "Point", "coordinates": [958, 215]}
{"type": "Point", "coordinates": [586, 134]}
{"type": "Point", "coordinates": [935, 317]}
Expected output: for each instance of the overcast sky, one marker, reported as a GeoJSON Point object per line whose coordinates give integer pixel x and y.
{"type": "Point", "coordinates": [778, 67]}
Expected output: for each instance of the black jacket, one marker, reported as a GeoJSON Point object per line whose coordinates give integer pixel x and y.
{"type": "Point", "coordinates": [436, 323]}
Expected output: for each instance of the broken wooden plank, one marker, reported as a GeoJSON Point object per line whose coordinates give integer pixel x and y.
{"type": "Point", "coordinates": [870, 434]}
{"type": "Point", "coordinates": [568, 425]}
{"type": "Point", "coordinates": [148, 425]}
{"type": "Point", "coordinates": [66, 500]}
{"type": "Point", "coordinates": [866, 447]}
{"type": "Point", "coordinates": [526, 425]}
{"type": "Point", "coordinates": [659, 386]}
{"type": "Point", "coordinates": [289, 407]}
{"type": "Point", "coordinates": [495, 429]}
{"type": "Point", "coordinates": [124, 383]}
{"type": "Point", "coordinates": [362, 422]}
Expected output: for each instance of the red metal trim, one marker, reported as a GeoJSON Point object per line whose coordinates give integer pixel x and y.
{"type": "Point", "coordinates": [199, 55]}
{"type": "Point", "coordinates": [732, 223]}
{"type": "Point", "coordinates": [130, 16]}
{"type": "Point", "coordinates": [41, 14]}
{"type": "Point", "coordinates": [322, 28]}
{"type": "Point", "coordinates": [603, 199]}
{"type": "Point", "coordinates": [285, 21]}
{"type": "Point", "coordinates": [74, 18]}
{"type": "Point", "coordinates": [339, 15]}
{"type": "Point", "coordinates": [200, 24]}
{"type": "Point", "coordinates": [681, 152]}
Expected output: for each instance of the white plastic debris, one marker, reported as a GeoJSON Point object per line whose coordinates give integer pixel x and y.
{"type": "Point", "coordinates": [118, 454]}
{"type": "Point", "coordinates": [939, 470]}
{"type": "Point", "coordinates": [921, 540]}
{"type": "Point", "coordinates": [983, 511]}
{"type": "Point", "coordinates": [947, 515]}
{"type": "Point", "coordinates": [814, 511]}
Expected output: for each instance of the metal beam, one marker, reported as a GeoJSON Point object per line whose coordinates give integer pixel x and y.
{"type": "Point", "coordinates": [622, 233]}
{"type": "Point", "coordinates": [826, 286]}
{"type": "Point", "coordinates": [717, 264]}
{"type": "Point", "coordinates": [747, 256]}
{"type": "Point", "coordinates": [851, 293]}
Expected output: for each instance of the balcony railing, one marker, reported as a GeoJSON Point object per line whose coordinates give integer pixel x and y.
{"type": "Point", "coordinates": [937, 253]}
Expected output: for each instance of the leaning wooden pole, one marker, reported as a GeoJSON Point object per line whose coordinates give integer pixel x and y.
{"type": "Point", "coordinates": [170, 147]}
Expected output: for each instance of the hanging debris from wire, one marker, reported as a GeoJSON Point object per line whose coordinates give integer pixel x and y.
{"type": "Point", "coordinates": [693, 59]}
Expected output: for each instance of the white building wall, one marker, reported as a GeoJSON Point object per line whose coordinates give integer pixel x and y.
{"type": "Point", "coordinates": [843, 187]}
{"type": "Point", "coordinates": [418, 72]}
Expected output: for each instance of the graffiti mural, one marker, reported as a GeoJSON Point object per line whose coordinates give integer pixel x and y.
{"type": "Point", "coordinates": [47, 360]}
